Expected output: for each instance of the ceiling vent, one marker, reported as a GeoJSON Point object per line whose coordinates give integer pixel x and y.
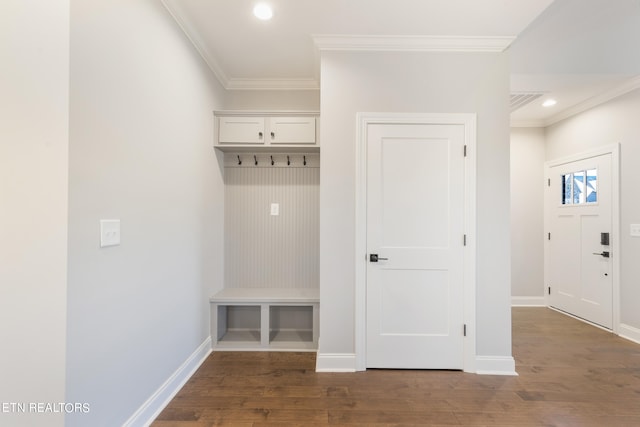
{"type": "Point", "coordinates": [520, 99]}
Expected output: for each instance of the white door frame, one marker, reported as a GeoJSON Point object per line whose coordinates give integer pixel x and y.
{"type": "Point", "coordinates": [614, 150]}
{"type": "Point", "coordinates": [363, 120]}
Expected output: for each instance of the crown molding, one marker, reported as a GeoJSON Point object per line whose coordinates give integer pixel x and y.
{"type": "Point", "coordinates": [227, 82]}
{"type": "Point", "coordinates": [622, 89]}
{"type": "Point", "coordinates": [272, 84]}
{"type": "Point", "coordinates": [196, 41]}
{"type": "Point", "coordinates": [411, 43]}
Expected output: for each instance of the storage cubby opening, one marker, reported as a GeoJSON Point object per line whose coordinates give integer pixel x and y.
{"type": "Point", "coordinates": [238, 323]}
{"type": "Point", "coordinates": [290, 324]}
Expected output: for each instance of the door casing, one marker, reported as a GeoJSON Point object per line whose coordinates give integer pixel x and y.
{"type": "Point", "coordinates": [363, 120]}
{"type": "Point", "coordinates": [614, 150]}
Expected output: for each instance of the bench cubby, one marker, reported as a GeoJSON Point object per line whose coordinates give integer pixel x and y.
{"type": "Point", "coordinates": [265, 319]}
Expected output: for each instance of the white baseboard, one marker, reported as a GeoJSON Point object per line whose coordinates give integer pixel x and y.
{"type": "Point", "coordinates": [495, 365]}
{"type": "Point", "coordinates": [150, 409]}
{"type": "Point", "coordinates": [630, 333]}
{"type": "Point", "coordinates": [528, 302]}
{"type": "Point", "coordinates": [336, 362]}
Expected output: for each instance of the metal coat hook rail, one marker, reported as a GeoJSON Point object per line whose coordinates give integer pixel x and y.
{"type": "Point", "coordinates": [277, 160]}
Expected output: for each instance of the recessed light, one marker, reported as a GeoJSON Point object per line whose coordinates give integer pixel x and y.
{"type": "Point", "coordinates": [549, 103]}
{"type": "Point", "coordinates": [263, 11]}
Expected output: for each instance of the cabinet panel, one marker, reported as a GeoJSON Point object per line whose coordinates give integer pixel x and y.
{"type": "Point", "coordinates": [292, 130]}
{"type": "Point", "coordinates": [241, 130]}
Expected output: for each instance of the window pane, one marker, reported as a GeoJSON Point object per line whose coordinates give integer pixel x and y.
{"type": "Point", "coordinates": [567, 181]}
{"type": "Point", "coordinates": [592, 186]}
{"type": "Point", "coordinates": [578, 187]}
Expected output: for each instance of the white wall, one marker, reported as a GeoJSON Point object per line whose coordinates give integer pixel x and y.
{"type": "Point", "coordinates": [527, 216]}
{"type": "Point", "coordinates": [34, 117]}
{"type": "Point", "coordinates": [303, 100]}
{"type": "Point", "coordinates": [413, 82]}
{"type": "Point", "coordinates": [613, 122]}
{"type": "Point", "coordinates": [141, 135]}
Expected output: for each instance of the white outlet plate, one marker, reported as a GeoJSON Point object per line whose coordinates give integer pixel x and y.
{"type": "Point", "coordinates": [275, 209]}
{"type": "Point", "coordinates": [634, 230]}
{"type": "Point", "coordinates": [109, 232]}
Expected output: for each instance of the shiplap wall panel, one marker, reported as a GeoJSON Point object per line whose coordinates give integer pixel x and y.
{"type": "Point", "coordinates": [265, 251]}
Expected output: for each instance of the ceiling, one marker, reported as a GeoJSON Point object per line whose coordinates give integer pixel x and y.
{"type": "Point", "coordinates": [578, 51]}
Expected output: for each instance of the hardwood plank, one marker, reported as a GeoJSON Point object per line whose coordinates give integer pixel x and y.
{"type": "Point", "coordinates": [570, 374]}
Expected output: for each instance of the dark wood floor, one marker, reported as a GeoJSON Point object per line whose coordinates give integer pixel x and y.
{"type": "Point", "coordinates": [570, 374]}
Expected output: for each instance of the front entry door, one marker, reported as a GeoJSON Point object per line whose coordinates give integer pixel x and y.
{"type": "Point", "coordinates": [579, 244]}
{"type": "Point", "coordinates": [415, 246]}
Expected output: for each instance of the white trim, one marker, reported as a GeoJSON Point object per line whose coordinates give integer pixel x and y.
{"type": "Point", "coordinates": [496, 365]}
{"type": "Point", "coordinates": [196, 41]}
{"type": "Point", "coordinates": [622, 89]}
{"type": "Point", "coordinates": [363, 120]}
{"type": "Point", "coordinates": [265, 113]}
{"type": "Point", "coordinates": [528, 302]}
{"type": "Point", "coordinates": [371, 43]}
{"type": "Point", "coordinates": [231, 83]}
{"type": "Point", "coordinates": [336, 362]}
{"type": "Point", "coordinates": [150, 409]}
{"type": "Point", "coordinates": [630, 333]}
{"type": "Point", "coordinates": [272, 84]}
{"type": "Point", "coordinates": [614, 150]}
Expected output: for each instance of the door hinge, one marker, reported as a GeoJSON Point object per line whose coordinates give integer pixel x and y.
{"type": "Point", "coordinates": [465, 151]}
{"type": "Point", "coordinates": [464, 329]}
{"type": "Point", "coordinates": [549, 290]}
{"type": "Point", "coordinates": [464, 240]}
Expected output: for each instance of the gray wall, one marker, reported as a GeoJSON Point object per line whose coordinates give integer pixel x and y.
{"type": "Point", "coordinates": [34, 143]}
{"type": "Point", "coordinates": [527, 216]}
{"type": "Point", "coordinates": [266, 251]}
{"type": "Point", "coordinates": [613, 122]}
{"type": "Point", "coordinates": [413, 82]}
{"type": "Point", "coordinates": [141, 135]}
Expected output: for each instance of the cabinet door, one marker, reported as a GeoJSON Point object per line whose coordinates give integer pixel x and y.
{"type": "Point", "coordinates": [241, 130]}
{"type": "Point", "coordinates": [292, 130]}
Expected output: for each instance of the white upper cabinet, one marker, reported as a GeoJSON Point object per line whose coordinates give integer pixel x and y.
{"type": "Point", "coordinates": [241, 130]}
{"type": "Point", "coordinates": [292, 130]}
{"type": "Point", "coordinates": [266, 129]}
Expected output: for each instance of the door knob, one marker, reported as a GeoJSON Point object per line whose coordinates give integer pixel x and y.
{"type": "Point", "coordinates": [376, 258]}
{"type": "Point", "coordinates": [604, 254]}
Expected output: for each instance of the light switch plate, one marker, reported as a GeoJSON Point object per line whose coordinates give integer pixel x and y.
{"type": "Point", "coordinates": [109, 232]}
{"type": "Point", "coordinates": [275, 209]}
{"type": "Point", "coordinates": [635, 230]}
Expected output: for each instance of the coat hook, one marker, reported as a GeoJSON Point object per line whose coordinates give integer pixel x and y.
{"type": "Point", "coordinates": [305, 160]}
{"type": "Point", "coordinates": [288, 161]}
{"type": "Point", "coordinates": [272, 162]}
{"type": "Point", "coordinates": [255, 160]}
{"type": "Point", "coordinates": [239, 161]}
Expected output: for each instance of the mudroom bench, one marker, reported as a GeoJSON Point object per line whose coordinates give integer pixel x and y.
{"type": "Point", "coordinates": [265, 319]}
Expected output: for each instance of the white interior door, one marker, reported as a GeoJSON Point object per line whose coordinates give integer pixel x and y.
{"type": "Point", "coordinates": [580, 273]}
{"type": "Point", "coordinates": [415, 226]}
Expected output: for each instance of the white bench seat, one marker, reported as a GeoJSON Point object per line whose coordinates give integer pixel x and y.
{"type": "Point", "coordinates": [265, 319]}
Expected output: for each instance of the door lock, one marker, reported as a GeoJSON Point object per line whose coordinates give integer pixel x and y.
{"type": "Point", "coordinates": [376, 258]}
{"type": "Point", "coordinates": [604, 254]}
